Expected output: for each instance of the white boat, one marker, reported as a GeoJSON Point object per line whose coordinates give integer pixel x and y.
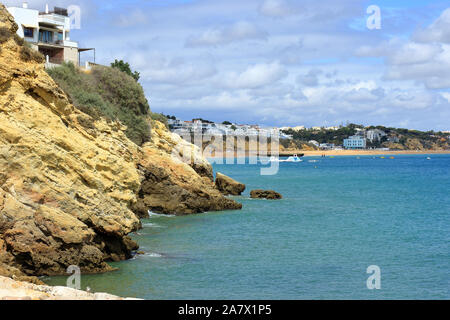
{"type": "Point", "coordinates": [428, 158]}
{"type": "Point", "coordinates": [295, 158]}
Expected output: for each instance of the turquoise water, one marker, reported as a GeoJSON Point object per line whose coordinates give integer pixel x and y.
{"type": "Point", "coordinates": [339, 216]}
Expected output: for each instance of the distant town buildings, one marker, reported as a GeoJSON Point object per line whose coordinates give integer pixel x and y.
{"type": "Point", "coordinates": [327, 146]}
{"type": "Point", "coordinates": [314, 142]}
{"type": "Point", "coordinates": [363, 137]}
{"type": "Point", "coordinates": [375, 135]}
{"type": "Point", "coordinates": [393, 139]}
{"type": "Point", "coordinates": [298, 128]}
{"type": "Point", "coordinates": [355, 142]}
{"type": "Point", "coordinates": [218, 129]}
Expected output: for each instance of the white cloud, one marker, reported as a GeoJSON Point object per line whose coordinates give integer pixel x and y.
{"type": "Point", "coordinates": [426, 62]}
{"type": "Point", "coordinates": [215, 58]}
{"type": "Point", "coordinates": [239, 31]}
{"type": "Point", "coordinates": [133, 18]}
{"type": "Point", "coordinates": [156, 68]}
{"type": "Point", "coordinates": [311, 79]}
{"type": "Point", "coordinates": [430, 66]}
{"type": "Point", "coordinates": [255, 76]}
{"type": "Point", "coordinates": [446, 96]}
{"type": "Point", "coordinates": [414, 53]}
{"type": "Point", "coordinates": [438, 31]}
{"type": "Point", "coordinates": [275, 8]}
{"type": "Point", "coordinates": [360, 95]}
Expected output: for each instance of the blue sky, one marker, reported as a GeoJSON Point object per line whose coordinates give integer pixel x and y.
{"type": "Point", "coordinates": [280, 62]}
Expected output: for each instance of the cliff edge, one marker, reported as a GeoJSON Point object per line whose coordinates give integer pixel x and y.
{"type": "Point", "coordinates": [68, 190]}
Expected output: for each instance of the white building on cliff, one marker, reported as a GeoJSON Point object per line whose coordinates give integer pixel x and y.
{"type": "Point", "coordinates": [47, 32]}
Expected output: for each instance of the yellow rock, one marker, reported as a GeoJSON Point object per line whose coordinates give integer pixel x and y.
{"type": "Point", "coordinates": [68, 193]}
{"type": "Point", "coordinates": [59, 185]}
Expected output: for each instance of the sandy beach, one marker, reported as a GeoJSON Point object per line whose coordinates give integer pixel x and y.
{"type": "Point", "coordinates": [331, 153]}
{"type": "Point", "coordinates": [360, 152]}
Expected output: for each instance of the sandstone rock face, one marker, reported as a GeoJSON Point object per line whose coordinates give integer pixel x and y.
{"type": "Point", "coordinates": [265, 194]}
{"type": "Point", "coordinates": [229, 186]}
{"type": "Point", "coordinates": [65, 194]}
{"type": "Point", "coordinates": [176, 178]}
{"type": "Point", "coordinates": [68, 194]}
{"type": "Point", "coordinates": [172, 187]}
{"type": "Point", "coordinates": [180, 150]}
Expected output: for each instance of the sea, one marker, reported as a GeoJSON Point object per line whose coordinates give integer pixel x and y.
{"type": "Point", "coordinates": [348, 227]}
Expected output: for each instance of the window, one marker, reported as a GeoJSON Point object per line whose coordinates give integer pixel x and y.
{"type": "Point", "coordinates": [45, 36]}
{"type": "Point", "coordinates": [28, 32]}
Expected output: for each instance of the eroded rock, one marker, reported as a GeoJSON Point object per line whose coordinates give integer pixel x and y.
{"type": "Point", "coordinates": [265, 194]}
{"type": "Point", "coordinates": [69, 192]}
{"type": "Point", "coordinates": [63, 192]}
{"type": "Point", "coordinates": [229, 186]}
{"type": "Point", "coordinates": [172, 187]}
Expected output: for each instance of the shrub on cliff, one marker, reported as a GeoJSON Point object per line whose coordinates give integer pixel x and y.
{"type": "Point", "coordinates": [109, 93]}
{"type": "Point", "coordinates": [161, 118]}
{"type": "Point", "coordinates": [5, 34]}
{"type": "Point", "coordinates": [27, 54]}
{"type": "Point", "coordinates": [125, 67]}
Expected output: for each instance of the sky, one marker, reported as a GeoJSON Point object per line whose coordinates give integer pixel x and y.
{"type": "Point", "coordinates": [279, 62]}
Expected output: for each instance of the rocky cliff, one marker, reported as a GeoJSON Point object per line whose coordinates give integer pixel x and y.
{"type": "Point", "coordinates": [171, 186]}
{"type": "Point", "coordinates": [68, 191]}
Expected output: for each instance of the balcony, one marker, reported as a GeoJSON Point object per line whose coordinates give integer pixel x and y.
{"type": "Point", "coordinates": [51, 42]}
{"type": "Point", "coordinates": [52, 19]}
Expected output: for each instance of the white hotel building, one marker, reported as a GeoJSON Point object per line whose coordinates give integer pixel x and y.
{"type": "Point", "coordinates": [48, 32]}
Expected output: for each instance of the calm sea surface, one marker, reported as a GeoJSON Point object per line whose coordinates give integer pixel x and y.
{"type": "Point", "coordinates": [339, 216]}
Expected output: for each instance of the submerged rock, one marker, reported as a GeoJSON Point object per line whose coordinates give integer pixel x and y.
{"type": "Point", "coordinates": [265, 194]}
{"type": "Point", "coordinates": [229, 186]}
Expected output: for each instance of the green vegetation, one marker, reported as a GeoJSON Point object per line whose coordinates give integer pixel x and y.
{"type": "Point", "coordinates": [5, 35]}
{"type": "Point", "coordinates": [171, 117]}
{"type": "Point", "coordinates": [125, 67]}
{"type": "Point", "coordinates": [160, 117]}
{"type": "Point", "coordinates": [109, 93]}
{"type": "Point", "coordinates": [27, 54]}
{"type": "Point", "coordinates": [324, 136]}
{"type": "Point", "coordinates": [227, 123]}
{"type": "Point", "coordinates": [19, 40]}
{"type": "Point", "coordinates": [203, 120]}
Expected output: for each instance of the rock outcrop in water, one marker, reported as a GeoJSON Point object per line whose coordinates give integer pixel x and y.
{"type": "Point", "coordinates": [173, 187]}
{"type": "Point", "coordinates": [67, 192]}
{"type": "Point", "coordinates": [265, 194]}
{"type": "Point", "coordinates": [229, 186]}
